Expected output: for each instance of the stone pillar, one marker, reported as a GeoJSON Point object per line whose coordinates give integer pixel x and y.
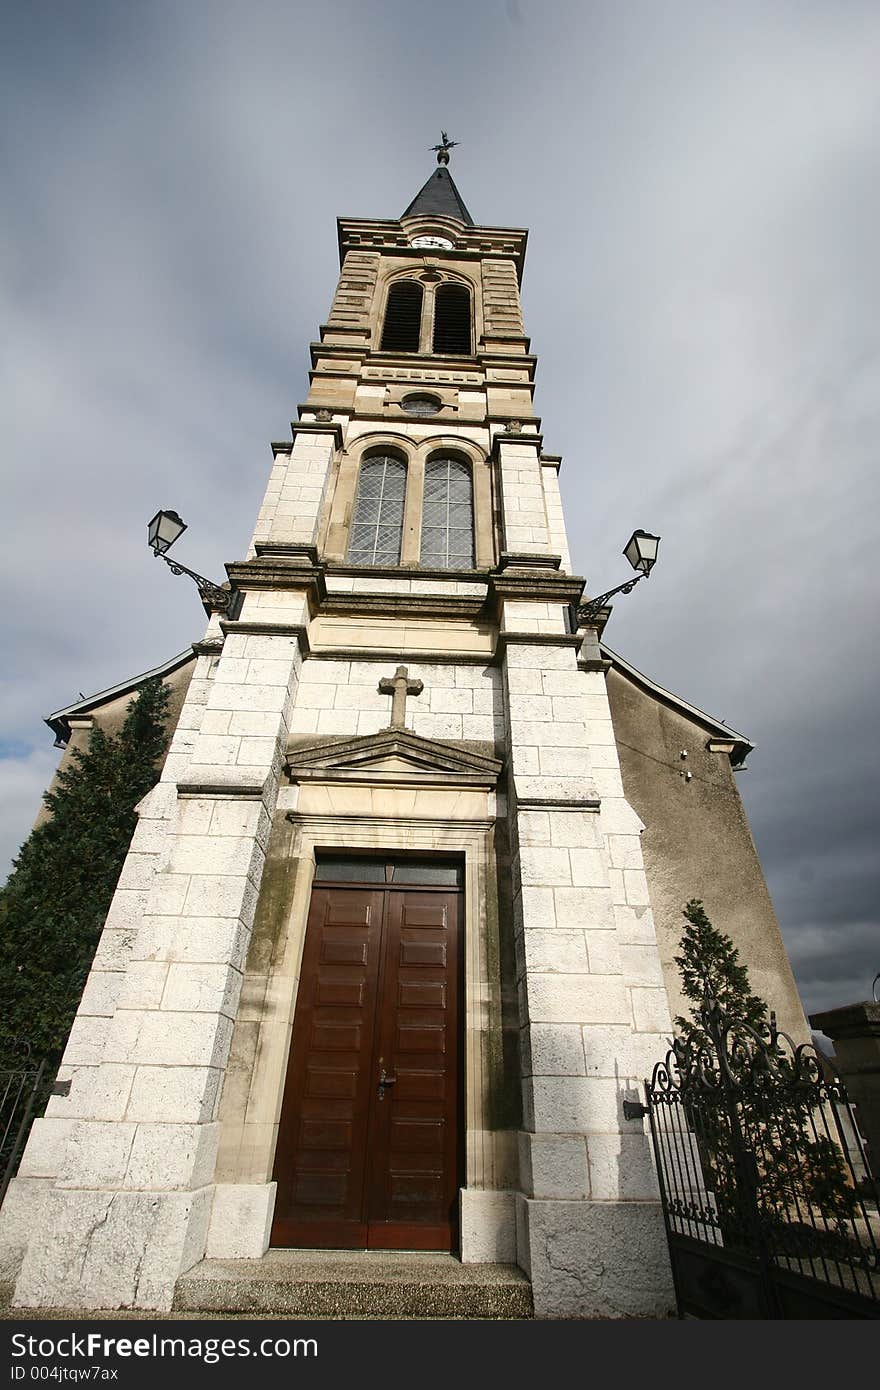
{"type": "Point", "coordinates": [553, 503]}
{"type": "Point", "coordinates": [855, 1032]}
{"type": "Point", "coordinates": [129, 1208]}
{"type": "Point", "coordinates": [593, 1009]}
{"type": "Point", "coordinates": [525, 530]}
{"type": "Point", "coordinates": [294, 495]}
{"type": "Point", "coordinates": [44, 1153]}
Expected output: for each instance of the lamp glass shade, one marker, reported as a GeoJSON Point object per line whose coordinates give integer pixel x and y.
{"type": "Point", "coordinates": [164, 530]}
{"type": "Point", "coordinates": [641, 550]}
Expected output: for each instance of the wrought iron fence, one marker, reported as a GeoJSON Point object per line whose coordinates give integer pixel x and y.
{"type": "Point", "coordinates": [20, 1078]}
{"type": "Point", "coordinates": [767, 1195]}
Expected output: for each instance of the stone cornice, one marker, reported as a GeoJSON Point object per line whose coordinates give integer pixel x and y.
{"type": "Point", "coordinates": [393, 238]}
{"type": "Point", "coordinates": [304, 554]}
{"type": "Point", "coordinates": [519, 561]}
{"type": "Point", "coordinates": [233, 781]}
{"type": "Point", "coordinates": [249, 629]}
{"type": "Point", "coordinates": [209, 646]}
{"type": "Point", "coordinates": [519, 437]}
{"type": "Point", "coordinates": [362, 353]}
{"type": "Point", "coordinates": [473, 576]}
{"type": "Point", "coordinates": [487, 358]}
{"type": "Point", "coordinates": [406, 605]}
{"type": "Point", "coordinates": [536, 639]}
{"type": "Point", "coordinates": [355, 352]}
{"type": "Point", "coordinates": [278, 572]}
{"type": "Point", "coordinates": [859, 1020]}
{"type": "Point", "coordinates": [318, 427]}
{"type": "Point", "coordinates": [594, 663]}
{"type": "Point", "coordinates": [547, 587]}
{"type": "Point", "coordinates": [552, 803]}
{"type": "Point", "coordinates": [423, 656]}
{"type": "Point", "coordinates": [502, 422]}
{"type": "Point", "coordinates": [333, 427]}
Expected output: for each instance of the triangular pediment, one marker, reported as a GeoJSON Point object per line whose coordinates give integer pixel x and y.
{"type": "Point", "coordinates": [392, 755]}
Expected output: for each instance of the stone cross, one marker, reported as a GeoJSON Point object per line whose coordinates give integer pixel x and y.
{"type": "Point", "coordinates": [399, 686]}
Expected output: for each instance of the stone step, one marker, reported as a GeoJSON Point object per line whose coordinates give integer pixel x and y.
{"type": "Point", "coordinates": [355, 1284]}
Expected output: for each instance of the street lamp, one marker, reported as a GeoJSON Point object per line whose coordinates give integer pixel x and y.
{"type": "Point", "coordinates": [164, 529]}
{"type": "Point", "coordinates": [641, 551]}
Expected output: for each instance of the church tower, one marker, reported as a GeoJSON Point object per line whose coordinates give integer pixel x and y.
{"type": "Point", "coordinates": [381, 968]}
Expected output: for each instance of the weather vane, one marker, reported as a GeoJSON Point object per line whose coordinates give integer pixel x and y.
{"type": "Point", "coordinates": [442, 150]}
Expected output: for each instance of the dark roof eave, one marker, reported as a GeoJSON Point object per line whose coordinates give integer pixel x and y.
{"type": "Point", "coordinates": [58, 722]}
{"type": "Point", "coordinates": [741, 746]}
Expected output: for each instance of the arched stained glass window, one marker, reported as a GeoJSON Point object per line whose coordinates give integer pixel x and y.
{"type": "Point", "coordinates": [452, 319]}
{"type": "Point", "coordinates": [403, 317]}
{"type": "Point", "coordinates": [378, 513]}
{"type": "Point", "coordinates": [448, 516]}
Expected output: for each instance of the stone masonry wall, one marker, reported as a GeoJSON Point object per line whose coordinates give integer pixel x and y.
{"type": "Point", "coordinates": [592, 1003]}
{"type": "Point", "coordinates": [353, 300]}
{"type": "Point", "coordinates": [129, 1208]}
{"type": "Point", "coordinates": [343, 698]}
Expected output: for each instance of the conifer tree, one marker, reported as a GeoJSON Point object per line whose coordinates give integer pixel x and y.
{"type": "Point", "coordinates": [797, 1167]}
{"type": "Point", "coordinates": [708, 957]}
{"type": "Point", "coordinates": [53, 905]}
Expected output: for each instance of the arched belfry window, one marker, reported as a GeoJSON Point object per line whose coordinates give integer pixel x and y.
{"type": "Point", "coordinates": [378, 512]}
{"type": "Point", "coordinates": [448, 515]}
{"type": "Point", "coordinates": [403, 317]}
{"type": "Point", "coordinates": [452, 319]}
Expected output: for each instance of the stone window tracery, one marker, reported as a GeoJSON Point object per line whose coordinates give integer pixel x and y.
{"type": "Point", "coordinates": [377, 527]}
{"type": "Point", "coordinates": [447, 515]}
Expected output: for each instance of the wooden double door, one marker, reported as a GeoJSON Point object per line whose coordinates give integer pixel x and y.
{"type": "Point", "coordinates": [369, 1146]}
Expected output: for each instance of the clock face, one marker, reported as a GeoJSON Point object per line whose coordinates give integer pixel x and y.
{"type": "Point", "coordinates": [438, 242]}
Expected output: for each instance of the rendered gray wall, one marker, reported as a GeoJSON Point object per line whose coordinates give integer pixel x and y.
{"type": "Point", "coordinates": [697, 844]}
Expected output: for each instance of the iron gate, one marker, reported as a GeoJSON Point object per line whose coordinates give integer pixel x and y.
{"type": "Point", "coordinates": [769, 1204]}
{"type": "Point", "coordinates": [20, 1077]}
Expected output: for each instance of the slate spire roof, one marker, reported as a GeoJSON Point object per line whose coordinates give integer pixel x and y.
{"type": "Point", "coordinates": [441, 197]}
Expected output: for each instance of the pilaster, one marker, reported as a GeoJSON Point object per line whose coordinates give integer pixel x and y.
{"type": "Point", "coordinates": [524, 525]}
{"type": "Point", "coordinates": [295, 492]}
{"type": "Point", "coordinates": [129, 1205]}
{"type": "Point", "coordinates": [593, 1009]}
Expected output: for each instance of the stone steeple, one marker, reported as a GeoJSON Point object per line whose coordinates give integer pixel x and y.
{"type": "Point", "coordinates": [412, 520]}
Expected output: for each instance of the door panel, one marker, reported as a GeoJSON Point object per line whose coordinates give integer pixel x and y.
{"type": "Point", "coordinates": [321, 1155]}
{"type": "Point", "coordinates": [361, 1164]}
{"type": "Point", "coordinates": [414, 1185]}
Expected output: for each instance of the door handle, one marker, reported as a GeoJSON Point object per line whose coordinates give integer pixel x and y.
{"type": "Point", "coordinates": [385, 1080]}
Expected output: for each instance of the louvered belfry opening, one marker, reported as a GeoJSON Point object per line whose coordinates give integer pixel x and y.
{"type": "Point", "coordinates": [448, 516]}
{"type": "Point", "coordinates": [378, 514]}
{"type": "Point", "coordinates": [403, 317]}
{"type": "Point", "coordinates": [452, 319]}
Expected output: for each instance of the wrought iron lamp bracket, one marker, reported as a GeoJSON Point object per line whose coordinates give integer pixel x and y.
{"type": "Point", "coordinates": [214, 595]}
{"type": "Point", "coordinates": [588, 612]}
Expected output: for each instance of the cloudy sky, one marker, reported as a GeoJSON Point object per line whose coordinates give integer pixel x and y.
{"type": "Point", "coordinates": [701, 186]}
